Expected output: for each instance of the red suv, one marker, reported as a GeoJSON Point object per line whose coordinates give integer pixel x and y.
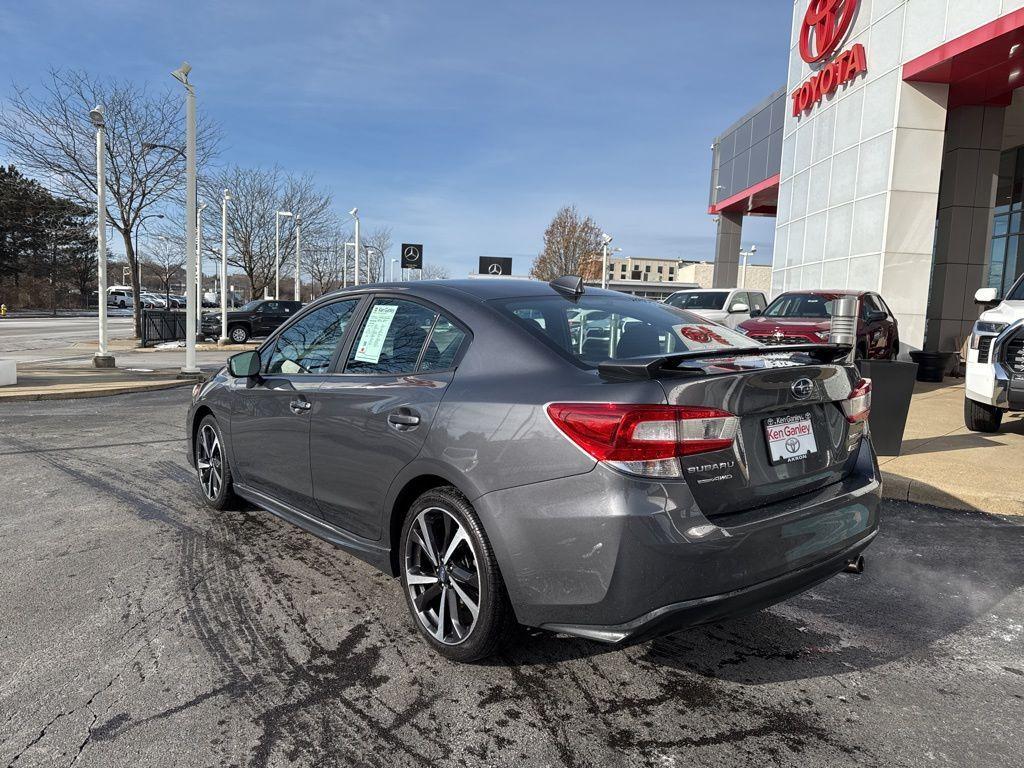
{"type": "Point", "coordinates": [798, 317]}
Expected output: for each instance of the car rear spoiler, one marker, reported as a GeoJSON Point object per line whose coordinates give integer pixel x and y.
{"type": "Point", "coordinates": [651, 367]}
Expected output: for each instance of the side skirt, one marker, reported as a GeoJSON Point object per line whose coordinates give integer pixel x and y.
{"type": "Point", "coordinates": [377, 556]}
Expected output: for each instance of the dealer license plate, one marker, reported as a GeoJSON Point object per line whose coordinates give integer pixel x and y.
{"type": "Point", "coordinates": [790, 438]}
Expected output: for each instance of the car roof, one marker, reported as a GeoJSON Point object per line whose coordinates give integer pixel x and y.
{"type": "Point", "coordinates": [481, 289]}
{"type": "Point", "coordinates": [826, 293]}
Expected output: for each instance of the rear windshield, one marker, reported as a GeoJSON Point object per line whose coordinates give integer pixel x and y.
{"type": "Point", "coordinates": [598, 328]}
{"type": "Point", "coordinates": [801, 305]}
{"type": "Point", "coordinates": [699, 300]}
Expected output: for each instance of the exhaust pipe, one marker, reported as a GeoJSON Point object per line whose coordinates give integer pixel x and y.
{"type": "Point", "coordinates": [855, 566]}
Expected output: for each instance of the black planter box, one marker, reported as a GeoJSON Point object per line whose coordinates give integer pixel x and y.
{"type": "Point", "coordinates": [892, 385]}
{"type": "Point", "coordinates": [933, 365]}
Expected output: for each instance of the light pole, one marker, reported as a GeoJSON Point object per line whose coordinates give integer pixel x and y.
{"type": "Point", "coordinates": [354, 213]}
{"type": "Point", "coordinates": [605, 241]}
{"type": "Point", "coordinates": [224, 268]}
{"type": "Point", "coordinates": [393, 263]}
{"type": "Point", "coordinates": [743, 270]}
{"type": "Point", "coordinates": [181, 75]}
{"type": "Point", "coordinates": [277, 252]}
{"type": "Point", "coordinates": [102, 358]}
{"type": "Point", "coordinates": [298, 258]}
{"type": "Point", "coordinates": [199, 266]}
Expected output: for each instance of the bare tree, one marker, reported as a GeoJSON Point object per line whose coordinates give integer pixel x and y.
{"type": "Point", "coordinates": [572, 246]}
{"type": "Point", "coordinates": [324, 261]}
{"type": "Point", "coordinates": [256, 196]}
{"type": "Point", "coordinates": [49, 133]}
{"type": "Point", "coordinates": [376, 247]}
{"type": "Point", "coordinates": [165, 260]}
{"type": "Point", "coordinates": [434, 272]}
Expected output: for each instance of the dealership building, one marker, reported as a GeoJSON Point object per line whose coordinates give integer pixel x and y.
{"type": "Point", "coordinates": [892, 160]}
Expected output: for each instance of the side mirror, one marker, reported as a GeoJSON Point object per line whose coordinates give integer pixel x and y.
{"type": "Point", "coordinates": [986, 296]}
{"type": "Point", "coordinates": [245, 365]}
{"type": "Point", "coordinates": [738, 308]}
{"type": "Point", "coordinates": [756, 312]}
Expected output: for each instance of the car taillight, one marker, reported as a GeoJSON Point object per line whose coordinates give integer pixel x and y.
{"type": "Point", "coordinates": [644, 439]}
{"type": "Point", "coordinates": [857, 406]}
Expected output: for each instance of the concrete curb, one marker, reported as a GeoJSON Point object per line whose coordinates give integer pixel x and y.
{"type": "Point", "coordinates": [902, 488]}
{"type": "Point", "coordinates": [104, 391]}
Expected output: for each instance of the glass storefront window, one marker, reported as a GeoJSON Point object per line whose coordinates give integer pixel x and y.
{"type": "Point", "coordinates": [1005, 261]}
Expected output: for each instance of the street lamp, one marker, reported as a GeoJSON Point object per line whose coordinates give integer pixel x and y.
{"type": "Point", "coordinates": [199, 266]}
{"type": "Point", "coordinates": [354, 213]}
{"type": "Point", "coordinates": [380, 255]}
{"type": "Point", "coordinates": [605, 241]}
{"type": "Point", "coordinates": [190, 368]}
{"type": "Point", "coordinates": [298, 258]}
{"type": "Point", "coordinates": [277, 252]}
{"type": "Point", "coordinates": [102, 358]}
{"type": "Point", "coordinates": [393, 263]}
{"type": "Point", "coordinates": [224, 267]}
{"type": "Point", "coordinates": [743, 271]}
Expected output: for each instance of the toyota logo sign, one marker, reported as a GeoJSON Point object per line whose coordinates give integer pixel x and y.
{"type": "Point", "coordinates": [825, 25]}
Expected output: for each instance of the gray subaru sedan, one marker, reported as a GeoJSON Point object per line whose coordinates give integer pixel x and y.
{"type": "Point", "coordinates": [544, 454]}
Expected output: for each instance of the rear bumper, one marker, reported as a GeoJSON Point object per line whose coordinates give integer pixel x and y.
{"type": "Point", "coordinates": [704, 610]}
{"type": "Point", "coordinates": [614, 558]}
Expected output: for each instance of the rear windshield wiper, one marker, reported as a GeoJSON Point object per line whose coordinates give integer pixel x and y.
{"type": "Point", "coordinates": [650, 367]}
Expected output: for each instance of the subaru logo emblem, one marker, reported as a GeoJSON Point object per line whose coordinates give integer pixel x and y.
{"type": "Point", "coordinates": [802, 388]}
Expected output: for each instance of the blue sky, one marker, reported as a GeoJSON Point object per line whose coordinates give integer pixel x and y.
{"type": "Point", "coordinates": [460, 125]}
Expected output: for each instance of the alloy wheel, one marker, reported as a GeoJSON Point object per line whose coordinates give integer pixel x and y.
{"type": "Point", "coordinates": [209, 461]}
{"type": "Point", "coordinates": [442, 576]}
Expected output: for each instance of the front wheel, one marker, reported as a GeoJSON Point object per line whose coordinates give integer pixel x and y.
{"type": "Point", "coordinates": [451, 579]}
{"type": "Point", "coordinates": [981, 417]}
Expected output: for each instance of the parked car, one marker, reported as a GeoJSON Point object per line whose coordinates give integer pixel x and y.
{"type": "Point", "coordinates": [120, 297]}
{"type": "Point", "coordinates": [152, 300]}
{"type": "Point", "coordinates": [453, 434]}
{"type": "Point", "coordinates": [253, 320]}
{"type": "Point", "coordinates": [801, 317]}
{"type": "Point", "coordinates": [725, 306]}
{"type": "Point", "coordinates": [995, 360]}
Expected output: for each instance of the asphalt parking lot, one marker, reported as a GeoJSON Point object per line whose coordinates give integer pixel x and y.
{"type": "Point", "coordinates": [139, 628]}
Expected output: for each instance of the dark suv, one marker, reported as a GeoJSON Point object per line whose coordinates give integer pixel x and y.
{"type": "Point", "coordinates": [256, 319]}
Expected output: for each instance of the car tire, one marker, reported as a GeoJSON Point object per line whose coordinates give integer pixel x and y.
{"type": "Point", "coordinates": [121, 305]}
{"type": "Point", "coordinates": [981, 417]}
{"type": "Point", "coordinates": [471, 571]}
{"type": "Point", "coordinates": [239, 334]}
{"type": "Point", "coordinates": [211, 462]}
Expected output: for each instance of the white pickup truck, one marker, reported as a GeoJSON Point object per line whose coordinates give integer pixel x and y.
{"type": "Point", "coordinates": [995, 360]}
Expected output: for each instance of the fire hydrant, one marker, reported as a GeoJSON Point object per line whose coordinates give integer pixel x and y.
{"type": "Point", "coordinates": [3, 310]}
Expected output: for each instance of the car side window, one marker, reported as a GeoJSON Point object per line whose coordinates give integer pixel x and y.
{"type": "Point", "coordinates": [757, 300]}
{"type": "Point", "coordinates": [391, 338]}
{"type": "Point", "coordinates": [446, 340]}
{"type": "Point", "coordinates": [308, 346]}
{"type": "Point", "coordinates": [738, 298]}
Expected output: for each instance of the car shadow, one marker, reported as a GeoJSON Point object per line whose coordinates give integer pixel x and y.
{"type": "Point", "coordinates": [930, 574]}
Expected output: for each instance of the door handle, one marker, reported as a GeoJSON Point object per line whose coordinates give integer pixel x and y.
{"type": "Point", "coordinates": [300, 406]}
{"type": "Point", "coordinates": [403, 419]}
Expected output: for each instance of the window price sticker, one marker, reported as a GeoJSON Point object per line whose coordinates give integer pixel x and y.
{"type": "Point", "coordinates": [371, 342]}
